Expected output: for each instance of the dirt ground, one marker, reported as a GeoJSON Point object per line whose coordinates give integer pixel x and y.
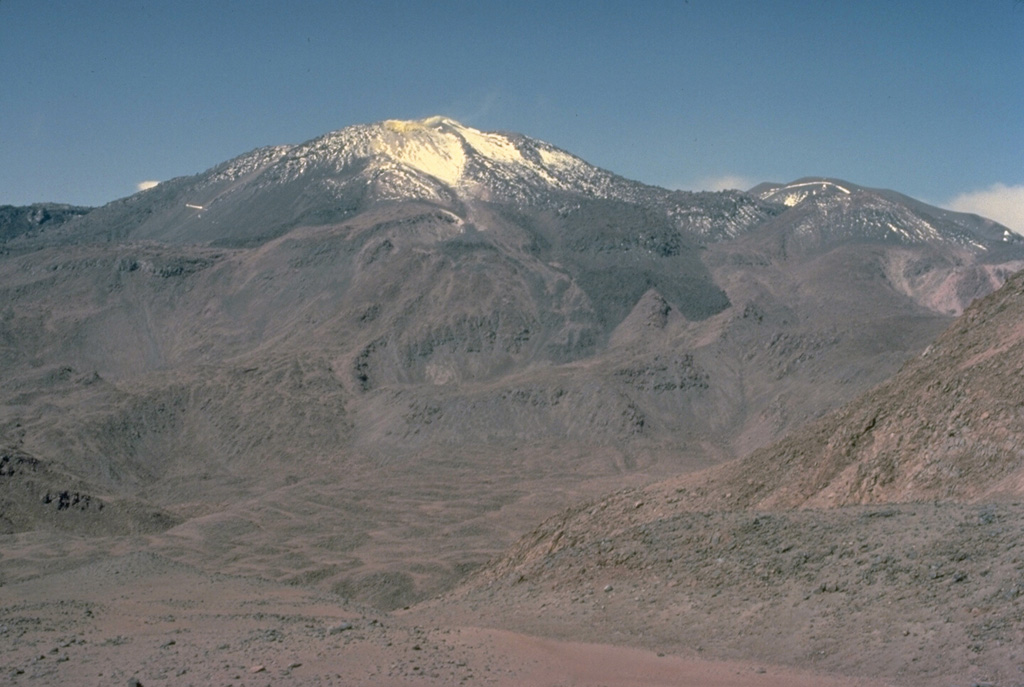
{"type": "Point", "coordinates": [141, 619]}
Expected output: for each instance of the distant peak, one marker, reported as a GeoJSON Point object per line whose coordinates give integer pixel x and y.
{"type": "Point", "coordinates": [821, 184]}
{"type": "Point", "coordinates": [405, 154]}
{"type": "Point", "coordinates": [433, 158]}
{"type": "Point", "coordinates": [409, 125]}
{"type": "Point", "coordinates": [798, 191]}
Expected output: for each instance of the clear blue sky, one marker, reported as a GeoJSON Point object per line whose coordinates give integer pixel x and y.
{"type": "Point", "coordinates": [923, 96]}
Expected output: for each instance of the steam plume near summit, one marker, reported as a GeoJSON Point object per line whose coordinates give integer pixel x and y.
{"type": "Point", "coordinates": [1004, 204]}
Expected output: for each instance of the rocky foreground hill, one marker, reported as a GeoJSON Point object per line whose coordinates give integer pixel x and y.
{"type": "Point", "coordinates": [885, 539]}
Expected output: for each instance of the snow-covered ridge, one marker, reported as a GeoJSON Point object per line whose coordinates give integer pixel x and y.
{"type": "Point", "coordinates": [793, 194]}
{"type": "Point", "coordinates": [442, 161]}
{"type": "Point", "coordinates": [443, 150]}
{"type": "Point", "coordinates": [821, 207]}
{"type": "Point", "coordinates": [248, 163]}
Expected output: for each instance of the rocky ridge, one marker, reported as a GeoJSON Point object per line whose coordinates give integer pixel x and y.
{"type": "Point", "coordinates": [881, 540]}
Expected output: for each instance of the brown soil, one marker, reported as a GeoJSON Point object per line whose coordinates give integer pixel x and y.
{"type": "Point", "coordinates": [140, 619]}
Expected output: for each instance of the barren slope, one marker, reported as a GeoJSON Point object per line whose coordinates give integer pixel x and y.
{"type": "Point", "coordinates": [948, 426]}
{"type": "Point", "coordinates": [904, 560]}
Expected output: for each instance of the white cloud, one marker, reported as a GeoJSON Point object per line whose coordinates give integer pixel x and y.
{"type": "Point", "coordinates": [721, 183]}
{"type": "Point", "coordinates": [1004, 204]}
{"type": "Point", "coordinates": [145, 185]}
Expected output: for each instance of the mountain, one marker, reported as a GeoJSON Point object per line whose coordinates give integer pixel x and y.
{"type": "Point", "coordinates": [826, 213]}
{"type": "Point", "coordinates": [423, 338]}
{"type": "Point", "coordinates": [883, 540]}
{"type": "Point", "coordinates": [837, 209]}
{"type": "Point", "coordinates": [436, 161]}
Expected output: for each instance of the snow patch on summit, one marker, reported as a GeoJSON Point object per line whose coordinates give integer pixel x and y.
{"type": "Point", "coordinates": [441, 156]}
{"type": "Point", "coordinates": [793, 194]}
{"type": "Point", "coordinates": [461, 156]}
{"type": "Point", "coordinates": [493, 146]}
{"type": "Point", "coordinates": [409, 156]}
